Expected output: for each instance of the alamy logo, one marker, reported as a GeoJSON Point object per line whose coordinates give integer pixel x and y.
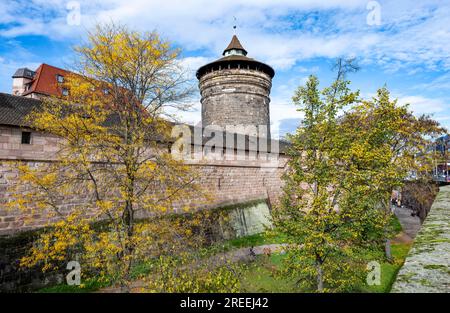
{"type": "Point", "coordinates": [374, 16]}
{"type": "Point", "coordinates": [74, 15]}
{"type": "Point", "coordinates": [74, 276]}
{"type": "Point", "coordinates": [374, 275]}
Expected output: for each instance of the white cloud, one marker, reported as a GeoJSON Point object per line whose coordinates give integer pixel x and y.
{"type": "Point", "coordinates": [424, 105]}
{"type": "Point", "coordinates": [303, 69]}
{"type": "Point", "coordinates": [278, 32]}
{"type": "Point", "coordinates": [280, 112]}
{"type": "Point", "coordinates": [192, 64]}
{"type": "Point", "coordinates": [441, 82]}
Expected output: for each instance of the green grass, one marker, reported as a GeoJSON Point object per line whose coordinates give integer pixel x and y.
{"type": "Point", "coordinates": [141, 269]}
{"type": "Point", "coordinates": [144, 268]}
{"type": "Point", "coordinates": [265, 238]}
{"type": "Point", "coordinates": [89, 285]}
{"type": "Point", "coordinates": [389, 271]}
{"type": "Point", "coordinates": [395, 224]}
{"type": "Point", "coordinates": [259, 276]}
{"type": "Point", "coordinates": [256, 240]}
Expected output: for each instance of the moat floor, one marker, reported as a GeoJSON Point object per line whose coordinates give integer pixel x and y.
{"type": "Point", "coordinates": [410, 224]}
{"type": "Point", "coordinates": [242, 254]}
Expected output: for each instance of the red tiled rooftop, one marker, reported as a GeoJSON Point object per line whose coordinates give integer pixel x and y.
{"type": "Point", "coordinates": [45, 81]}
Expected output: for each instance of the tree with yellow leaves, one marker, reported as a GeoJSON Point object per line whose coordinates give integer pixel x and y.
{"type": "Point", "coordinates": [345, 159]}
{"type": "Point", "coordinates": [393, 147]}
{"type": "Point", "coordinates": [114, 158]}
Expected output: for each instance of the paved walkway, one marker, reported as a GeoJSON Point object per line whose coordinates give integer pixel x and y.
{"type": "Point", "coordinates": [410, 224]}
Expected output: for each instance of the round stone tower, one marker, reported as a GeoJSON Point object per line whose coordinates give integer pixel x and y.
{"type": "Point", "coordinates": [235, 90]}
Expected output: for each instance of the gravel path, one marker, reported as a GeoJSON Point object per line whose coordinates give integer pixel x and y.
{"type": "Point", "coordinates": [410, 224]}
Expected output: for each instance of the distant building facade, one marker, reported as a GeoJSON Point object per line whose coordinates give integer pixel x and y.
{"type": "Point", "coordinates": [46, 80]}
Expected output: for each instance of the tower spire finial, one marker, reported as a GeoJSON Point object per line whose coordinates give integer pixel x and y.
{"type": "Point", "coordinates": [235, 25]}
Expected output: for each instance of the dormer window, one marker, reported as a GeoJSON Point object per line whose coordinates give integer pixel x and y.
{"type": "Point", "coordinates": [65, 92]}
{"type": "Point", "coordinates": [59, 78]}
{"type": "Point", "coordinates": [234, 52]}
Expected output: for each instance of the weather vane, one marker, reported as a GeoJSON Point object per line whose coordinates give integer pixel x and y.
{"type": "Point", "coordinates": [235, 24]}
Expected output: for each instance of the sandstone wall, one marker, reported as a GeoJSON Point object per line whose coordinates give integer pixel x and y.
{"type": "Point", "coordinates": [235, 97]}
{"type": "Point", "coordinates": [43, 146]}
{"type": "Point", "coordinates": [228, 180]}
{"type": "Point", "coordinates": [427, 266]}
{"type": "Point", "coordinates": [13, 277]}
{"type": "Point", "coordinates": [228, 184]}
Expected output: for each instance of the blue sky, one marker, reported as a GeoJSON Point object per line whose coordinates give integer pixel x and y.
{"type": "Point", "coordinates": [403, 44]}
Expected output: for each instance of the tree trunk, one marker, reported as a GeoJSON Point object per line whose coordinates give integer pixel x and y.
{"type": "Point", "coordinates": [387, 250]}
{"type": "Point", "coordinates": [319, 276]}
{"type": "Point", "coordinates": [129, 248]}
{"type": "Point", "coordinates": [387, 242]}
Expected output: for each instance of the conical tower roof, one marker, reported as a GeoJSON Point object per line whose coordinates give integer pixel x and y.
{"type": "Point", "coordinates": [235, 44]}
{"type": "Point", "coordinates": [235, 56]}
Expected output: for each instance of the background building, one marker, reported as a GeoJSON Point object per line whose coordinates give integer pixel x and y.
{"type": "Point", "coordinates": [46, 80]}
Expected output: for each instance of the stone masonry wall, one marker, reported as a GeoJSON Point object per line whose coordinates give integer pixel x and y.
{"type": "Point", "coordinates": [227, 184]}
{"type": "Point", "coordinates": [13, 277]}
{"type": "Point", "coordinates": [228, 181]}
{"type": "Point", "coordinates": [427, 266]}
{"type": "Point", "coordinates": [235, 97]}
{"type": "Point", "coordinates": [43, 146]}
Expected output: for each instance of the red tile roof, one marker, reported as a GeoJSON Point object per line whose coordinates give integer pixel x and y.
{"type": "Point", "coordinates": [45, 81]}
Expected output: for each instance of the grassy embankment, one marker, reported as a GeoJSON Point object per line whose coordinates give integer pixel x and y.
{"type": "Point", "coordinates": [259, 276]}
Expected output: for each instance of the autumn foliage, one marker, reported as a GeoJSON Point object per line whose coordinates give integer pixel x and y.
{"type": "Point", "coordinates": [346, 157]}
{"type": "Point", "coordinates": [114, 154]}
